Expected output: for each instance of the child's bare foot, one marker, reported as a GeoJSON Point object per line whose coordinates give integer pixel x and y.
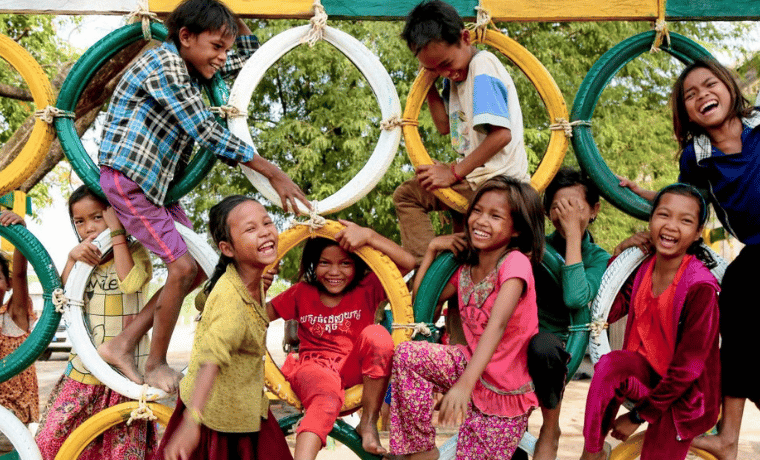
{"type": "Point", "coordinates": [603, 454]}
{"type": "Point", "coordinates": [367, 430]}
{"type": "Point", "coordinates": [163, 377]}
{"type": "Point", "coordinates": [547, 444]}
{"type": "Point", "coordinates": [122, 360]}
{"type": "Point", "coordinates": [717, 445]}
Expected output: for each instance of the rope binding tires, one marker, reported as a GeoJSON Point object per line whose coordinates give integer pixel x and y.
{"type": "Point", "coordinates": [545, 85]}
{"type": "Point", "coordinates": [44, 330]}
{"type": "Point", "coordinates": [79, 333]}
{"type": "Point", "coordinates": [392, 281]}
{"type": "Point", "coordinates": [31, 156]}
{"type": "Point", "coordinates": [597, 78]}
{"type": "Point", "coordinates": [83, 72]}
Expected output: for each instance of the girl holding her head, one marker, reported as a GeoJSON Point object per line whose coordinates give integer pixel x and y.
{"type": "Point", "coordinates": [222, 412]}
{"type": "Point", "coordinates": [485, 381]}
{"type": "Point", "coordinates": [114, 296]}
{"type": "Point", "coordinates": [718, 132]}
{"type": "Point", "coordinates": [340, 346]}
{"type": "Point", "coordinates": [669, 366]}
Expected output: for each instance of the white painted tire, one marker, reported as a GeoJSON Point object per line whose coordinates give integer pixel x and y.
{"type": "Point", "coordinates": [448, 450]}
{"type": "Point", "coordinates": [612, 281]}
{"type": "Point", "coordinates": [382, 85]}
{"type": "Point", "coordinates": [19, 435]}
{"type": "Point", "coordinates": [79, 334]}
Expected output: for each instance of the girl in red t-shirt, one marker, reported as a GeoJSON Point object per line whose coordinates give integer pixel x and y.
{"type": "Point", "coordinates": [334, 303]}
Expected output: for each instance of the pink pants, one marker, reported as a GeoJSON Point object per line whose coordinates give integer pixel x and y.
{"type": "Point", "coordinates": [421, 368]}
{"type": "Point", "coordinates": [319, 379]}
{"type": "Point", "coordinates": [621, 375]}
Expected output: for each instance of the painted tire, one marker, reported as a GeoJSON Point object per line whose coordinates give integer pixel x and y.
{"type": "Point", "coordinates": [395, 288]}
{"type": "Point", "coordinates": [587, 97]}
{"type": "Point", "coordinates": [612, 281]}
{"type": "Point", "coordinates": [97, 424]}
{"type": "Point", "coordinates": [545, 85]}
{"type": "Point", "coordinates": [631, 449]}
{"type": "Point", "coordinates": [382, 85]}
{"type": "Point", "coordinates": [81, 74]}
{"type": "Point", "coordinates": [79, 333]}
{"type": "Point", "coordinates": [37, 146]}
{"type": "Point", "coordinates": [341, 431]}
{"type": "Point", "coordinates": [43, 332]}
{"type": "Point", "coordinates": [20, 436]}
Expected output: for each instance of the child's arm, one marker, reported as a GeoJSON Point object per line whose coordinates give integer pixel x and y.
{"type": "Point", "coordinates": [455, 243]}
{"type": "Point", "coordinates": [436, 176]}
{"type": "Point", "coordinates": [18, 307]}
{"type": "Point", "coordinates": [287, 190]}
{"type": "Point", "coordinates": [85, 252]}
{"type": "Point", "coordinates": [642, 240]}
{"type": "Point", "coordinates": [455, 402]}
{"type": "Point", "coordinates": [122, 257]}
{"type": "Point", "coordinates": [643, 193]}
{"type": "Point", "coordinates": [355, 236]}
{"type": "Point", "coordinates": [438, 110]}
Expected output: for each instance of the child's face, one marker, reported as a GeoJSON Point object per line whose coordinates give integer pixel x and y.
{"type": "Point", "coordinates": [490, 222]}
{"type": "Point", "coordinates": [674, 224]}
{"type": "Point", "coordinates": [706, 97]}
{"type": "Point", "coordinates": [204, 53]}
{"type": "Point", "coordinates": [573, 200]}
{"type": "Point", "coordinates": [446, 60]}
{"type": "Point", "coordinates": [253, 234]}
{"type": "Point", "coordinates": [335, 270]}
{"type": "Point", "coordinates": [87, 215]}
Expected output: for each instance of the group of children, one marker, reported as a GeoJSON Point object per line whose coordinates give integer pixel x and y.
{"type": "Point", "coordinates": [504, 367]}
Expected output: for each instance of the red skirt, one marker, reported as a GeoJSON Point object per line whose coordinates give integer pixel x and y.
{"type": "Point", "coordinates": [268, 443]}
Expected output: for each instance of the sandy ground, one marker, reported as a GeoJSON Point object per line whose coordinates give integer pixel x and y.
{"type": "Point", "coordinates": [571, 442]}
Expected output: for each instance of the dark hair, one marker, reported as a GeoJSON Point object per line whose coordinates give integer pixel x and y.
{"type": "Point", "coordinates": [432, 21]}
{"type": "Point", "coordinates": [5, 268]}
{"type": "Point", "coordinates": [312, 251]}
{"type": "Point", "coordinates": [525, 211]}
{"type": "Point", "coordinates": [219, 229]}
{"type": "Point", "coordinates": [685, 130]}
{"type": "Point", "coordinates": [687, 190]}
{"type": "Point", "coordinates": [199, 16]}
{"type": "Point", "coordinates": [569, 177]}
{"type": "Point", "coordinates": [78, 195]}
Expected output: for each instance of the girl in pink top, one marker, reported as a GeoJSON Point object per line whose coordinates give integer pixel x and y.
{"type": "Point", "coordinates": [486, 381]}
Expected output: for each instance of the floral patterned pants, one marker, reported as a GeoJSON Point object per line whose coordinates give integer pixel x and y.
{"type": "Point", "coordinates": [421, 368]}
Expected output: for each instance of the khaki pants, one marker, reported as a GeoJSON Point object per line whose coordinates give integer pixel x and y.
{"type": "Point", "coordinates": [413, 203]}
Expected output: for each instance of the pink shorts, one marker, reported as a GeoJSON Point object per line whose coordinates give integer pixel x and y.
{"type": "Point", "coordinates": [152, 225]}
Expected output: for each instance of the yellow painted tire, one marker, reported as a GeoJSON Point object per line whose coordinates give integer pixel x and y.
{"type": "Point", "coordinates": [95, 426]}
{"type": "Point", "coordinates": [631, 449]}
{"type": "Point", "coordinates": [545, 85]}
{"type": "Point", "coordinates": [37, 146]}
{"type": "Point", "coordinates": [395, 288]}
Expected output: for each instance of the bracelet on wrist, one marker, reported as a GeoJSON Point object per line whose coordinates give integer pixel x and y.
{"type": "Point", "coordinates": [454, 173]}
{"type": "Point", "coordinates": [195, 415]}
{"type": "Point", "coordinates": [121, 231]}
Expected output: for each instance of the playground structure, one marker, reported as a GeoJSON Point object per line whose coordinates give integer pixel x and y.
{"type": "Point", "coordinates": [566, 126]}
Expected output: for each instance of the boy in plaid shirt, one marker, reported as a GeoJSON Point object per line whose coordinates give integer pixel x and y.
{"type": "Point", "coordinates": [156, 115]}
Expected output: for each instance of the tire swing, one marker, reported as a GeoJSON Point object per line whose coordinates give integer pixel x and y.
{"type": "Point", "coordinates": [390, 278]}
{"type": "Point", "coordinates": [341, 432]}
{"type": "Point", "coordinates": [107, 418]}
{"type": "Point", "coordinates": [43, 332]}
{"type": "Point", "coordinates": [586, 98]}
{"type": "Point", "coordinates": [382, 85]}
{"type": "Point", "coordinates": [79, 334]}
{"type": "Point", "coordinates": [631, 449]}
{"type": "Point", "coordinates": [19, 435]}
{"type": "Point", "coordinates": [31, 156]}
{"type": "Point", "coordinates": [80, 76]}
{"type": "Point", "coordinates": [545, 85]}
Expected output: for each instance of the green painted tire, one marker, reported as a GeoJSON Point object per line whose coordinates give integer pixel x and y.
{"type": "Point", "coordinates": [341, 431]}
{"type": "Point", "coordinates": [682, 48]}
{"type": "Point", "coordinates": [43, 332]}
{"type": "Point", "coordinates": [443, 268]}
{"type": "Point", "coordinates": [81, 74]}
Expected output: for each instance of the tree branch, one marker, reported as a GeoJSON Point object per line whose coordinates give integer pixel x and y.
{"type": "Point", "coordinates": [15, 92]}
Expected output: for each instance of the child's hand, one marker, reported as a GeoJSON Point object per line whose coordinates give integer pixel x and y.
{"type": "Point", "coordinates": [109, 216]}
{"type": "Point", "coordinates": [11, 218]}
{"type": "Point", "coordinates": [625, 182]}
{"type": "Point", "coordinates": [454, 406]}
{"type": "Point", "coordinates": [353, 236]}
{"type": "Point", "coordinates": [623, 427]}
{"type": "Point", "coordinates": [455, 243]}
{"type": "Point", "coordinates": [435, 176]}
{"type": "Point", "coordinates": [569, 214]}
{"type": "Point", "coordinates": [642, 240]}
{"type": "Point", "coordinates": [86, 252]}
{"type": "Point", "coordinates": [268, 277]}
{"type": "Point", "coordinates": [184, 441]}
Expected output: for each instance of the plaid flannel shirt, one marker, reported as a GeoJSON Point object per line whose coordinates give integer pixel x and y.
{"type": "Point", "coordinates": [156, 115]}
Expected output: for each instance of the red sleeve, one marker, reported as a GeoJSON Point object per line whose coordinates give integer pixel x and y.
{"type": "Point", "coordinates": [285, 302]}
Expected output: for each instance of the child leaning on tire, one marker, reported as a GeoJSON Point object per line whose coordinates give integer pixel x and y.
{"type": "Point", "coordinates": [156, 114]}
{"type": "Point", "coordinates": [114, 296]}
{"type": "Point", "coordinates": [479, 108]}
